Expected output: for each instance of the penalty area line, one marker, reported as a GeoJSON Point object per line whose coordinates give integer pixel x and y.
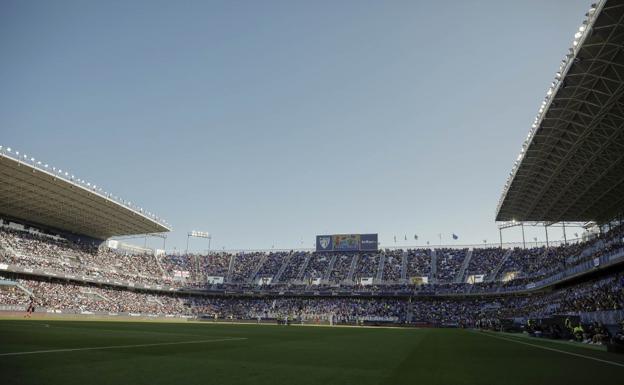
{"type": "Point", "coordinates": [553, 349]}
{"type": "Point", "coordinates": [121, 346]}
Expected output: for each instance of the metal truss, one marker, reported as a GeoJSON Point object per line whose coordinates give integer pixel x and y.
{"type": "Point", "coordinates": [41, 198]}
{"type": "Point", "coordinates": [573, 166]}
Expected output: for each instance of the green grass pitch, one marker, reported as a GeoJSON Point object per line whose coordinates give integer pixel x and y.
{"type": "Point", "coordinates": [91, 352]}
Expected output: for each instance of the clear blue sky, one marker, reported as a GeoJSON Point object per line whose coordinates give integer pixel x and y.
{"type": "Point", "coordinates": [268, 122]}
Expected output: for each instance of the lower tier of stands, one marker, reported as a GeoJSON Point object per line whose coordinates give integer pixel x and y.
{"type": "Point", "coordinates": [602, 294]}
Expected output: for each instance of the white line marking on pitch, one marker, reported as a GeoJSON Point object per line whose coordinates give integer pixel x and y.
{"type": "Point", "coordinates": [554, 350]}
{"type": "Point", "coordinates": [120, 346]}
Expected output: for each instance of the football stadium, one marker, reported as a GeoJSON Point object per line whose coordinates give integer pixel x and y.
{"type": "Point", "coordinates": [90, 292]}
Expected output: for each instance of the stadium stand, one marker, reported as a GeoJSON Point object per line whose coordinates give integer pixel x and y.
{"type": "Point", "coordinates": [244, 266]}
{"type": "Point", "coordinates": [366, 267]}
{"type": "Point", "coordinates": [449, 262]}
{"type": "Point", "coordinates": [271, 265]}
{"type": "Point", "coordinates": [339, 269]}
{"type": "Point", "coordinates": [484, 261]}
{"type": "Point", "coordinates": [418, 263]}
{"type": "Point", "coordinates": [393, 266]}
{"type": "Point", "coordinates": [295, 263]}
{"type": "Point", "coordinates": [58, 256]}
{"type": "Point", "coordinates": [317, 266]}
{"type": "Point", "coordinates": [31, 249]}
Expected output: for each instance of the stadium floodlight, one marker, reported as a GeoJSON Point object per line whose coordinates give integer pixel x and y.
{"type": "Point", "coordinates": [198, 234]}
{"type": "Point", "coordinates": [9, 149]}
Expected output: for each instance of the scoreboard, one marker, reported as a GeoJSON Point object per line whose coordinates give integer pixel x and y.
{"type": "Point", "coordinates": [346, 242]}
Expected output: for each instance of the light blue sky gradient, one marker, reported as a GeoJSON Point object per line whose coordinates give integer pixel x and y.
{"type": "Point", "coordinates": [268, 122]}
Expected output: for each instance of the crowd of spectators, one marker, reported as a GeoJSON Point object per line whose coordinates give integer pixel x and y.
{"type": "Point", "coordinates": [305, 309]}
{"type": "Point", "coordinates": [449, 262]}
{"type": "Point", "coordinates": [518, 261]}
{"type": "Point", "coordinates": [485, 261]}
{"type": "Point", "coordinates": [341, 268]}
{"type": "Point", "coordinates": [393, 266]}
{"type": "Point", "coordinates": [367, 266]}
{"type": "Point", "coordinates": [245, 265]}
{"type": "Point", "coordinates": [317, 266]}
{"type": "Point", "coordinates": [56, 296]}
{"type": "Point", "coordinates": [271, 265]}
{"type": "Point", "coordinates": [518, 268]}
{"type": "Point", "coordinates": [600, 294]}
{"type": "Point", "coordinates": [418, 263]}
{"type": "Point", "coordinates": [293, 267]}
{"type": "Point", "coordinates": [53, 254]}
{"type": "Point", "coordinates": [216, 264]}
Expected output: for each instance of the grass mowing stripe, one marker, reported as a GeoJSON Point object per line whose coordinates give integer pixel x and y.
{"type": "Point", "coordinates": [575, 344]}
{"type": "Point", "coordinates": [120, 346]}
{"type": "Point", "coordinates": [553, 349]}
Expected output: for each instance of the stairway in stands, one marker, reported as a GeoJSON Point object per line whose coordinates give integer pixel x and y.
{"type": "Point", "coordinates": [380, 268]}
{"type": "Point", "coordinates": [253, 275]}
{"type": "Point", "coordinates": [329, 269]}
{"type": "Point", "coordinates": [434, 267]}
{"type": "Point", "coordinates": [160, 266]}
{"type": "Point", "coordinates": [499, 266]}
{"type": "Point", "coordinates": [228, 277]}
{"type": "Point", "coordinates": [354, 262]}
{"type": "Point", "coordinates": [303, 267]}
{"type": "Point", "coordinates": [25, 289]}
{"type": "Point", "coordinates": [279, 273]}
{"type": "Point", "coordinates": [5, 249]}
{"type": "Point", "coordinates": [404, 266]}
{"type": "Point", "coordinates": [459, 277]}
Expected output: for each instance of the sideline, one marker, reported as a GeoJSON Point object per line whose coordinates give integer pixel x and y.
{"type": "Point", "coordinates": [86, 318]}
{"type": "Point", "coordinates": [550, 349]}
{"type": "Point", "coordinates": [121, 346]}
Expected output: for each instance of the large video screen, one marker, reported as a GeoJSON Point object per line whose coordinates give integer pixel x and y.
{"type": "Point", "coordinates": [346, 242]}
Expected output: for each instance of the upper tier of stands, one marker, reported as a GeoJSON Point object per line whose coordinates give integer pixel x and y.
{"type": "Point", "coordinates": [392, 268]}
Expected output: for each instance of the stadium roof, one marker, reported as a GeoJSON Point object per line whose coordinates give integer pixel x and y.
{"type": "Point", "coordinates": [40, 194]}
{"type": "Point", "coordinates": [571, 166]}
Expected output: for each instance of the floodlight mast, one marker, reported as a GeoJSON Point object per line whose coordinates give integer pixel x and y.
{"type": "Point", "coordinates": [197, 234]}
